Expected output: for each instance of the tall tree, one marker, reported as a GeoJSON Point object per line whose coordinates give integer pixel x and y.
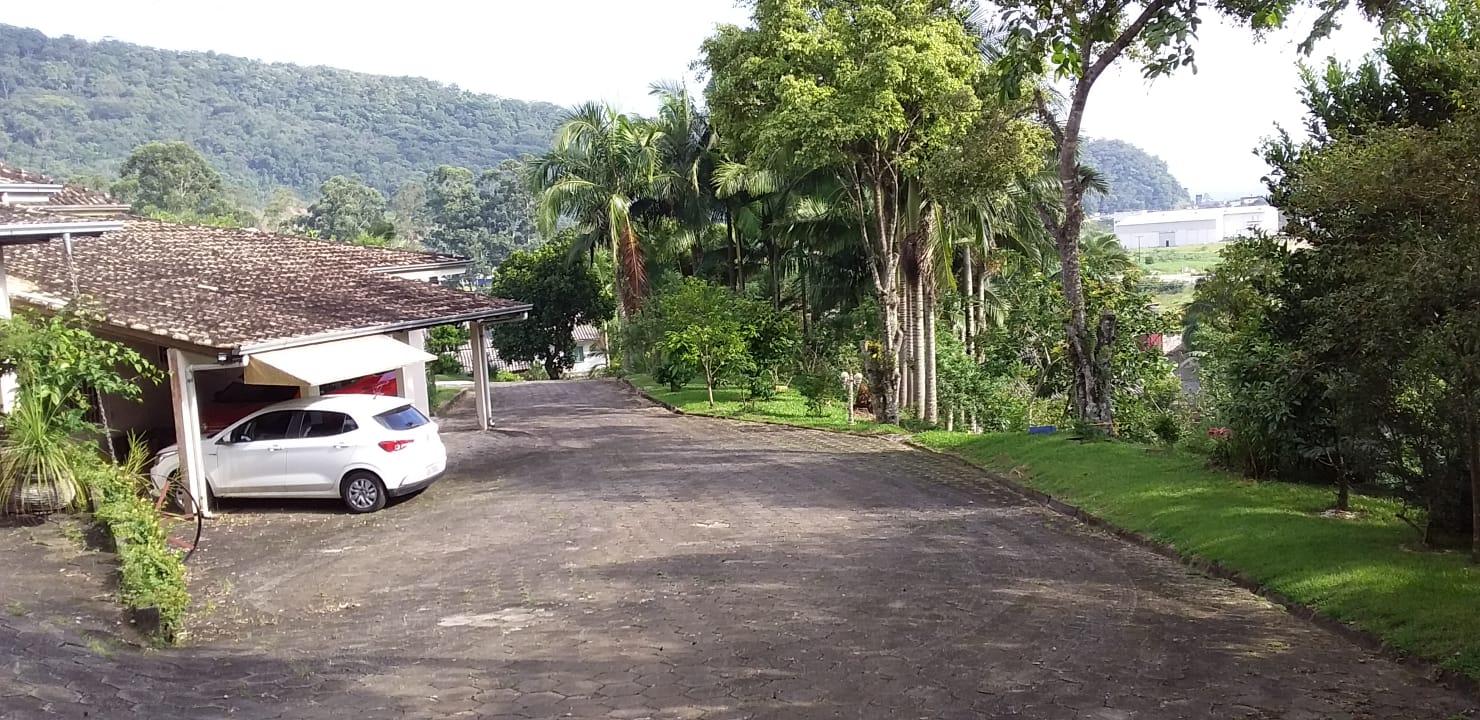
{"type": "Point", "coordinates": [601, 165]}
{"type": "Point", "coordinates": [1077, 41]}
{"type": "Point", "coordinates": [348, 210]}
{"type": "Point", "coordinates": [172, 179]}
{"type": "Point", "coordinates": [873, 90]}
{"type": "Point", "coordinates": [564, 294]}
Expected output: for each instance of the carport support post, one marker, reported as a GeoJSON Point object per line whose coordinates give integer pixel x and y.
{"type": "Point", "coordinates": [187, 428]}
{"type": "Point", "coordinates": [476, 336]}
{"type": "Point", "coordinates": [7, 380]}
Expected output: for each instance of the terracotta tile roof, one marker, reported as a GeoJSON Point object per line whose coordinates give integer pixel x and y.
{"type": "Point", "coordinates": [12, 174]}
{"type": "Point", "coordinates": [230, 290]}
{"type": "Point", "coordinates": [23, 215]}
{"type": "Point", "coordinates": [70, 195]}
{"type": "Point", "coordinates": [78, 196]}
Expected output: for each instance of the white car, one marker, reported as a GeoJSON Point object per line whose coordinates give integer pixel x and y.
{"type": "Point", "coordinates": [362, 449]}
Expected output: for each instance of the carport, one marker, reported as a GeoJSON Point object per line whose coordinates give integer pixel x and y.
{"type": "Point", "coordinates": [278, 309]}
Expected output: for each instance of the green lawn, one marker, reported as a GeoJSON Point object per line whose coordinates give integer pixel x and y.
{"type": "Point", "coordinates": [788, 408]}
{"type": "Point", "coordinates": [1368, 571]}
{"type": "Point", "coordinates": [440, 395]}
{"type": "Point", "coordinates": [1197, 259]}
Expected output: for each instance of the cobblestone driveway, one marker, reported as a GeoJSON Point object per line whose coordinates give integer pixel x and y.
{"type": "Point", "coordinates": [596, 557]}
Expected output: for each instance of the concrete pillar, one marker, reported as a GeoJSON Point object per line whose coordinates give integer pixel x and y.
{"type": "Point", "coordinates": [479, 340]}
{"type": "Point", "coordinates": [191, 446]}
{"type": "Point", "coordinates": [411, 380]}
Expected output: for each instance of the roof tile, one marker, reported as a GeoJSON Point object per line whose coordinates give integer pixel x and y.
{"type": "Point", "coordinates": [231, 289]}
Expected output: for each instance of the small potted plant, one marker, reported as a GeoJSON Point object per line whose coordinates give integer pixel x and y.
{"type": "Point", "coordinates": [40, 462]}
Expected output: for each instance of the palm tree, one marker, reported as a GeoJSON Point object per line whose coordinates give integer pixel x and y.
{"type": "Point", "coordinates": [600, 166]}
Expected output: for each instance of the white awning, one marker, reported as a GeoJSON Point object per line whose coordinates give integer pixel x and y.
{"type": "Point", "coordinates": [331, 361]}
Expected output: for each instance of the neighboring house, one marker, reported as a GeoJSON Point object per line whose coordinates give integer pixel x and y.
{"type": "Point", "coordinates": [216, 307]}
{"type": "Point", "coordinates": [1200, 226]}
{"type": "Point", "coordinates": [590, 352]}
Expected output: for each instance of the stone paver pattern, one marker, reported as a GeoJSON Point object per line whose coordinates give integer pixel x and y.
{"type": "Point", "coordinates": [597, 557]}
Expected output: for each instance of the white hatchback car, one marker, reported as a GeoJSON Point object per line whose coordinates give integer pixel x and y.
{"type": "Point", "coordinates": [362, 449]}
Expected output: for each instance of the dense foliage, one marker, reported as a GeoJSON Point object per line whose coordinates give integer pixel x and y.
{"type": "Point", "coordinates": [75, 108]}
{"type": "Point", "coordinates": [1137, 180]}
{"type": "Point", "coordinates": [151, 574]}
{"type": "Point", "coordinates": [564, 291]}
{"type": "Point", "coordinates": [1355, 355]}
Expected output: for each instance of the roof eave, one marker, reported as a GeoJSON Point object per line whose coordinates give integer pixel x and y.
{"type": "Point", "coordinates": [443, 265]}
{"type": "Point", "coordinates": [45, 231]}
{"type": "Point", "coordinates": [512, 313]}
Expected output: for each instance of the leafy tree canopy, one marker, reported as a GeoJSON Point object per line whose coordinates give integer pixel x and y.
{"type": "Point", "coordinates": [172, 180]}
{"type": "Point", "coordinates": [564, 291]}
{"type": "Point", "coordinates": [347, 210]}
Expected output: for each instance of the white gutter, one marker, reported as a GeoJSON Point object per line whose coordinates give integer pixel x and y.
{"type": "Point", "coordinates": [50, 230]}
{"type": "Point", "coordinates": [25, 187]}
{"type": "Point", "coordinates": [502, 315]}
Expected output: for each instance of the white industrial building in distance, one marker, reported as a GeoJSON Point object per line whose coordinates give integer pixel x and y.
{"type": "Point", "coordinates": [1197, 226]}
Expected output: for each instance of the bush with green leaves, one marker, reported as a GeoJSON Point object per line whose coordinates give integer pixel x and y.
{"type": "Point", "coordinates": [820, 386]}
{"type": "Point", "coordinates": [675, 374]}
{"type": "Point", "coordinates": [445, 341]}
{"type": "Point", "coordinates": [151, 574]}
{"type": "Point", "coordinates": [59, 366]}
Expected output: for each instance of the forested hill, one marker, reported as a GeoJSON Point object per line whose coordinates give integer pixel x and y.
{"type": "Point", "coordinates": [75, 108]}
{"type": "Point", "coordinates": [1138, 180]}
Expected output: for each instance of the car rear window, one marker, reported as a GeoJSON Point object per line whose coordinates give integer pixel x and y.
{"type": "Point", "coordinates": [405, 417]}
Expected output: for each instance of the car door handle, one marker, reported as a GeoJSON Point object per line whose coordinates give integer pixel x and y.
{"type": "Point", "coordinates": [342, 446]}
{"type": "Point", "coordinates": [274, 448]}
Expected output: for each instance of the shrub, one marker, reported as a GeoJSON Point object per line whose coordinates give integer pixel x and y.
{"type": "Point", "coordinates": [150, 574]}
{"type": "Point", "coordinates": [675, 374]}
{"type": "Point", "coordinates": [505, 376]}
{"type": "Point", "coordinates": [820, 387]}
{"type": "Point", "coordinates": [536, 371]}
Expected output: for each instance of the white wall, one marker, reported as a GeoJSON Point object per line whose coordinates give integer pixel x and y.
{"type": "Point", "coordinates": [1175, 228]}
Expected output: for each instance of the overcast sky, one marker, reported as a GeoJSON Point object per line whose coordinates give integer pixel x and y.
{"type": "Point", "coordinates": [567, 51]}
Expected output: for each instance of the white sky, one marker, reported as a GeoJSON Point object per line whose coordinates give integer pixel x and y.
{"type": "Point", "coordinates": [567, 51]}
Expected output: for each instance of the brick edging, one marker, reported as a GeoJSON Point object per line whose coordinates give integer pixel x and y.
{"type": "Point", "coordinates": [1362, 638]}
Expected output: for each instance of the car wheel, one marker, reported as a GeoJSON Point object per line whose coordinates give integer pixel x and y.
{"type": "Point", "coordinates": [363, 492]}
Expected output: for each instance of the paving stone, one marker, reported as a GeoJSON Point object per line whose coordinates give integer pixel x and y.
{"type": "Point", "coordinates": [596, 557]}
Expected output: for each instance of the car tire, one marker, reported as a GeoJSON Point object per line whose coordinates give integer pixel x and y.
{"type": "Point", "coordinates": [362, 492]}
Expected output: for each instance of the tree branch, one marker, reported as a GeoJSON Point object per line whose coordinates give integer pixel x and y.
{"type": "Point", "coordinates": [1124, 40]}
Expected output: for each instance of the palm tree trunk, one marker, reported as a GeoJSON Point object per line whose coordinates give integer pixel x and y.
{"type": "Point", "coordinates": [981, 311]}
{"type": "Point", "coordinates": [970, 297]}
{"type": "Point", "coordinates": [918, 344]}
{"type": "Point", "coordinates": [932, 407]}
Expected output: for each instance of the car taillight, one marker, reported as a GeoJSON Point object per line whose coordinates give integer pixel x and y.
{"type": "Point", "coordinates": [393, 445]}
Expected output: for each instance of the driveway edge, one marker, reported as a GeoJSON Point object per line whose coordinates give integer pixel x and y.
{"type": "Point", "coordinates": [1451, 679]}
{"type": "Point", "coordinates": [1369, 641]}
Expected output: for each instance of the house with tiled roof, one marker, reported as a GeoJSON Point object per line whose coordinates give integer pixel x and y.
{"type": "Point", "coordinates": [222, 309]}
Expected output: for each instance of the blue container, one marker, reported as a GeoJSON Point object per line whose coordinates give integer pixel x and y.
{"type": "Point", "coordinates": [1042, 429]}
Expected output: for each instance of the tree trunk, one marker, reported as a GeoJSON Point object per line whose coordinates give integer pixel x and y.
{"type": "Point", "coordinates": [552, 368]}
{"type": "Point", "coordinates": [981, 313]}
{"type": "Point", "coordinates": [806, 308]}
{"type": "Point", "coordinates": [1084, 356]}
{"type": "Point", "coordinates": [969, 296]}
{"type": "Point", "coordinates": [906, 383]}
{"type": "Point", "coordinates": [1472, 424]}
{"type": "Point", "coordinates": [932, 407]}
{"type": "Point", "coordinates": [918, 344]}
